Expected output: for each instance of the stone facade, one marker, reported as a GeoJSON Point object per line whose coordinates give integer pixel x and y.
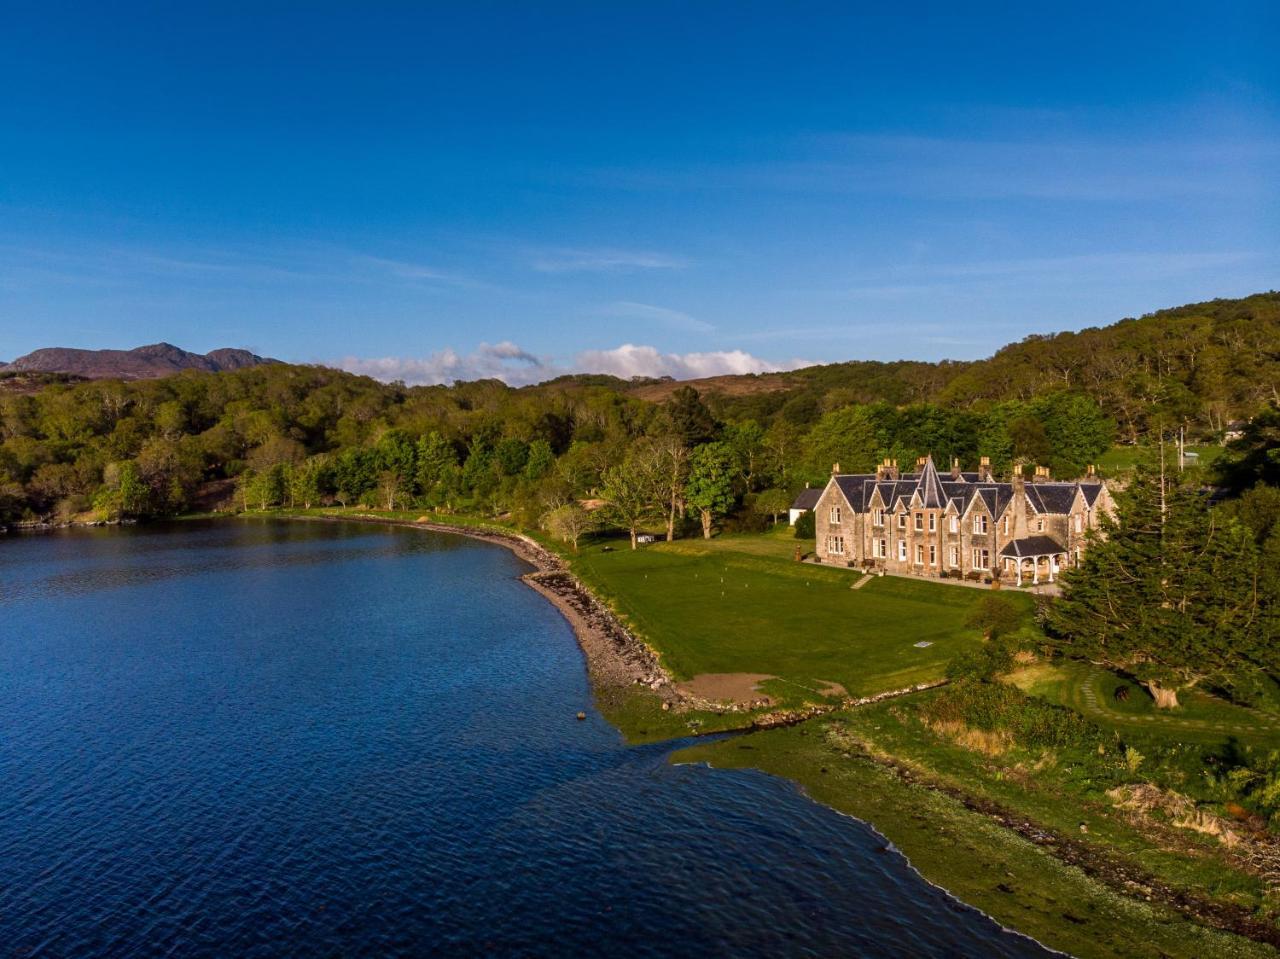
{"type": "Point", "coordinates": [957, 524]}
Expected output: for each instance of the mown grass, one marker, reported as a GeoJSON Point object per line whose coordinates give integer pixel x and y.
{"type": "Point", "coordinates": [742, 604]}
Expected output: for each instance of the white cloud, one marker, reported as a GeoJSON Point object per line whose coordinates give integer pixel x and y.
{"type": "Point", "coordinates": [504, 361]}
{"type": "Point", "coordinates": [658, 314]}
{"type": "Point", "coordinates": [605, 261]}
{"type": "Point", "coordinates": [512, 364]}
{"type": "Point", "coordinates": [630, 360]}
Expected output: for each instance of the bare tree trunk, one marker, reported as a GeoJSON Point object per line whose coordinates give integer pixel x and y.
{"type": "Point", "coordinates": [633, 538]}
{"type": "Point", "coordinates": [706, 524]}
{"type": "Point", "coordinates": [671, 522]}
{"type": "Point", "coordinates": [1165, 698]}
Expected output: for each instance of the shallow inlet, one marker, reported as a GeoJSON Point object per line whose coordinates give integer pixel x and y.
{"type": "Point", "coordinates": [261, 738]}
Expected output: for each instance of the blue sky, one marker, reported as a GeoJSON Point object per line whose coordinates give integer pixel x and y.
{"type": "Point", "coordinates": [433, 192]}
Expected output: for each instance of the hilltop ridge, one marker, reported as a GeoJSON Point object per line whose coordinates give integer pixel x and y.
{"type": "Point", "coordinates": [141, 363]}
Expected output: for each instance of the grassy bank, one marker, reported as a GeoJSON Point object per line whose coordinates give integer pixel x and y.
{"type": "Point", "coordinates": [976, 858]}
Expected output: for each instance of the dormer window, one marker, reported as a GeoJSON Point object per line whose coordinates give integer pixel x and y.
{"type": "Point", "coordinates": [877, 517]}
{"type": "Point", "coordinates": [835, 514]}
{"type": "Point", "coordinates": [902, 521]}
{"type": "Point", "coordinates": [955, 523]}
{"type": "Point", "coordinates": [980, 523]}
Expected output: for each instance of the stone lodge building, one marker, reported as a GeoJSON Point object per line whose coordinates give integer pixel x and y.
{"type": "Point", "coordinates": [957, 524]}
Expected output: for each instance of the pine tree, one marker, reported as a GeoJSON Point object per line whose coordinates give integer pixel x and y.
{"type": "Point", "coordinates": [1168, 592]}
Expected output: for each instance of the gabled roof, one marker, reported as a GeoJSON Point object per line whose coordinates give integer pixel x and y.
{"type": "Point", "coordinates": [930, 487]}
{"type": "Point", "coordinates": [933, 490]}
{"type": "Point", "coordinates": [1032, 546]}
{"type": "Point", "coordinates": [807, 498]}
{"type": "Point", "coordinates": [1091, 491]}
{"type": "Point", "coordinates": [854, 488]}
{"type": "Point", "coordinates": [1051, 497]}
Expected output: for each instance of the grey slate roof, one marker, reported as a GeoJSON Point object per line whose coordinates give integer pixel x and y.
{"type": "Point", "coordinates": [807, 499]}
{"type": "Point", "coordinates": [1032, 546]}
{"type": "Point", "coordinates": [938, 490]}
{"type": "Point", "coordinates": [1091, 491]}
{"type": "Point", "coordinates": [1051, 497]}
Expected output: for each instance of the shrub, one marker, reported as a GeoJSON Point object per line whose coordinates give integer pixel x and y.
{"type": "Point", "coordinates": [806, 526]}
{"type": "Point", "coordinates": [982, 663]}
{"type": "Point", "coordinates": [1033, 722]}
{"type": "Point", "coordinates": [994, 616]}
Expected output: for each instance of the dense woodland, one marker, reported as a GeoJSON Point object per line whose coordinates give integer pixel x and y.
{"type": "Point", "coordinates": [300, 435]}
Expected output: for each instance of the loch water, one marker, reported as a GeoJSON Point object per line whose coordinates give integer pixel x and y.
{"type": "Point", "coordinates": [292, 739]}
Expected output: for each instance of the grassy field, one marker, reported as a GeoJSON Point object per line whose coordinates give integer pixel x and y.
{"type": "Point", "coordinates": [742, 604]}
{"type": "Point", "coordinates": [1122, 459]}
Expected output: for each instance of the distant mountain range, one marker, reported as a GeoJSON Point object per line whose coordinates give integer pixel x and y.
{"type": "Point", "coordinates": [143, 363]}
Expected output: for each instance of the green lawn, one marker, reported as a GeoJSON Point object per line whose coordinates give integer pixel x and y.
{"type": "Point", "coordinates": [1200, 718]}
{"type": "Point", "coordinates": [741, 604]}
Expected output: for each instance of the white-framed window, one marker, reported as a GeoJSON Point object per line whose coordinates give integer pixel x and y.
{"type": "Point", "coordinates": [933, 522]}
{"type": "Point", "coordinates": [884, 548]}
{"type": "Point", "coordinates": [981, 558]}
{"type": "Point", "coordinates": [835, 514]}
{"type": "Point", "coordinates": [902, 521]}
{"type": "Point", "coordinates": [835, 545]}
{"type": "Point", "coordinates": [1079, 522]}
{"type": "Point", "coordinates": [919, 521]}
{"type": "Point", "coordinates": [933, 555]}
{"type": "Point", "coordinates": [955, 523]}
{"type": "Point", "coordinates": [902, 550]}
{"type": "Point", "coordinates": [1006, 524]}
{"type": "Point", "coordinates": [877, 517]}
{"type": "Point", "coordinates": [919, 555]}
{"type": "Point", "coordinates": [1039, 526]}
{"type": "Point", "coordinates": [955, 556]}
{"type": "Point", "coordinates": [980, 522]}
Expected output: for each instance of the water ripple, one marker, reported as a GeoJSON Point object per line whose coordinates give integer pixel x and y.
{"type": "Point", "coordinates": [272, 739]}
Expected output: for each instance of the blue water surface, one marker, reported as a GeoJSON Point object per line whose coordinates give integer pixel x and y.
{"type": "Point", "coordinates": [286, 739]}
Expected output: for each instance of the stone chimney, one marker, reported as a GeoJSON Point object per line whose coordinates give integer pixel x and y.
{"type": "Point", "coordinates": [1091, 471]}
{"type": "Point", "coordinates": [1042, 474]}
{"type": "Point", "coordinates": [955, 467]}
{"type": "Point", "coordinates": [984, 469]}
{"type": "Point", "coordinates": [1019, 483]}
{"type": "Point", "coordinates": [835, 469]}
{"type": "Point", "coordinates": [887, 470]}
{"type": "Point", "coordinates": [920, 461]}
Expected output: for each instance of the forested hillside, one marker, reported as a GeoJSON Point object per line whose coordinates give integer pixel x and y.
{"type": "Point", "coordinates": [1200, 366]}
{"type": "Point", "coordinates": [282, 434]}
